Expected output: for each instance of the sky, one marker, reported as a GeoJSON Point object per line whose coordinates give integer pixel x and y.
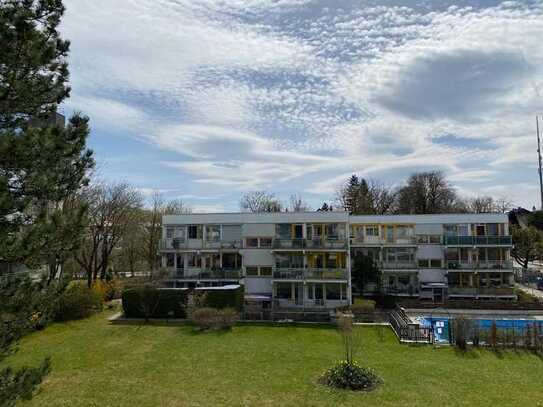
{"type": "Point", "coordinates": [205, 100]}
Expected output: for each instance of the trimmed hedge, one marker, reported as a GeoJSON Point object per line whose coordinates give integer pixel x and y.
{"type": "Point", "coordinates": [224, 298]}
{"type": "Point", "coordinates": [77, 302]}
{"type": "Point", "coordinates": [159, 302]}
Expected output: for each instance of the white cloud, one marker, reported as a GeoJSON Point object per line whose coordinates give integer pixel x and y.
{"type": "Point", "coordinates": [293, 95]}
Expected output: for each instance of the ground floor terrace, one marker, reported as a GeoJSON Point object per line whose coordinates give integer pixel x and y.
{"type": "Point", "coordinates": [310, 294]}
{"type": "Point", "coordinates": [257, 365]}
{"type": "Point", "coordinates": [481, 284]}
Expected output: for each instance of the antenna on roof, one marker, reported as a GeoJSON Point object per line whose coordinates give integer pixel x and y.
{"type": "Point", "coordinates": [539, 159]}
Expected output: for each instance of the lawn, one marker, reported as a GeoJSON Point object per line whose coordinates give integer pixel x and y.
{"type": "Point", "coordinates": [97, 364]}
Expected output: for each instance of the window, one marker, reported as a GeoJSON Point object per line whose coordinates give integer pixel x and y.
{"type": "Point", "coordinates": [213, 233]}
{"type": "Point", "coordinates": [333, 291]}
{"type": "Point", "coordinates": [435, 239]}
{"type": "Point", "coordinates": [195, 232]}
{"type": "Point", "coordinates": [314, 231]}
{"type": "Point", "coordinates": [403, 232]}
{"type": "Point", "coordinates": [265, 242]}
{"type": "Point", "coordinates": [423, 263]}
{"type": "Point", "coordinates": [298, 232]}
{"type": "Point", "coordinates": [282, 231]}
{"type": "Point", "coordinates": [169, 232]}
{"type": "Point", "coordinates": [251, 242]}
{"type": "Point", "coordinates": [332, 260]}
{"type": "Point", "coordinates": [251, 271]}
{"type": "Point", "coordinates": [480, 230]}
{"type": "Point", "coordinates": [332, 231]}
{"type": "Point", "coordinates": [265, 271]}
{"type": "Point", "coordinates": [194, 260]}
{"type": "Point", "coordinates": [283, 291]}
{"type": "Point", "coordinates": [170, 260]}
{"type": "Point", "coordinates": [435, 263]}
{"type": "Point", "coordinates": [372, 230]}
{"type": "Point", "coordinates": [492, 229]}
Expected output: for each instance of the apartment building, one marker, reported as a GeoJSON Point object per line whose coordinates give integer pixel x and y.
{"type": "Point", "coordinates": [305, 259]}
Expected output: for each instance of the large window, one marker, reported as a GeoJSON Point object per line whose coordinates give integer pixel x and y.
{"type": "Point", "coordinates": [456, 230]}
{"type": "Point", "coordinates": [333, 291]}
{"type": "Point", "coordinates": [251, 242]}
{"type": "Point", "coordinates": [265, 242]}
{"type": "Point", "coordinates": [399, 255]}
{"type": "Point", "coordinates": [283, 291]}
{"type": "Point", "coordinates": [282, 230]}
{"type": "Point", "coordinates": [194, 260]}
{"type": "Point", "coordinates": [170, 260]}
{"type": "Point", "coordinates": [169, 232]}
{"type": "Point", "coordinates": [195, 231]}
{"type": "Point", "coordinates": [251, 271]}
{"type": "Point", "coordinates": [213, 233]}
{"type": "Point", "coordinates": [372, 230]}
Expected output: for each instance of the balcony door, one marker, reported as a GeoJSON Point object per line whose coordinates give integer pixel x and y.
{"type": "Point", "coordinates": [297, 232]}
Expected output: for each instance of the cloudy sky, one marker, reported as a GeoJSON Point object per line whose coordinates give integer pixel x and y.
{"type": "Point", "coordinates": [203, 100]}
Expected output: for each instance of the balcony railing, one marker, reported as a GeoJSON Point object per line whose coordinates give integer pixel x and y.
{"type": "Point", "coordinates": [378, 240]}
{"type": "Point", "coordinates": [474, 291]}
{"type": "Point", "coordinates": [486, 265]}
{"type": "Point", "coordinates": [477, 240]}
{"type": "Point", "coordinates": [206, 274]}
{"type": "Point", "coordinates": [309, 274]}
{"type": "Point", "coordinates": [388, 265]}
{"type": "Point", "coordinates": [181, 243]}
{"type": "Point", "coordinates": [338, 244]}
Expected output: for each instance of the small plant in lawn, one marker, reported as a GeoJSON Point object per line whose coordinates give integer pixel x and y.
{"type": "Point", "coordinates": [462, 329]}
{"type": "Point", "coordinates": [214, 319]}
{"type": "Point", "coordinates": [348, 374]}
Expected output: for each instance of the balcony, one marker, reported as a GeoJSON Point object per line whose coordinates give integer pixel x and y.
{"type": "Point", "coordinates": [206, 274]}
{"type": "Point", "coordinates": [477, 240]}
{"type": "Point", "coordinates": [288, 273]}
{"type": "Point", "coordinates": [399, 265]}
{"type": "Point", "coordinates": [310, 244]}
{"type": "Point", "coordinates": [486, 291]}
{"type": "Point", "coordinates": [377, 240]}
{"type": "Point", "coordinates": [309, 274]}
{"type": "Point", "coordinates": [488, 265]}
{"type": "Point", "coordinates": [326, 274]}
{"type": "Point", "coordinates": [181, 243]}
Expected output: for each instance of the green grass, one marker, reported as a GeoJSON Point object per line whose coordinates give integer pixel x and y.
{"type": "Point", "coordinates": [97, 364]}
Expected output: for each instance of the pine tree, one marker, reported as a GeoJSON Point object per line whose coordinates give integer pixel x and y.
{"type": "Point", "coordinates": [42, 163]}
{"type": "Point", "coordinates": [42, 166]}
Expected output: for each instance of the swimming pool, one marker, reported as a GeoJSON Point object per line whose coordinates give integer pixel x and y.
{"type": "Point", "coordinates": [442, 330]}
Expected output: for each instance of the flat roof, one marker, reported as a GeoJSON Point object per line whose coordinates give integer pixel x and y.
{"type": "Point", "coordinates": [267, 217]}
{"type": "Point", "coordinates": [337, 216]}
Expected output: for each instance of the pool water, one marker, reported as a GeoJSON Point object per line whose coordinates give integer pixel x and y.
{"type": "Point", "coordinates": [442, 330]}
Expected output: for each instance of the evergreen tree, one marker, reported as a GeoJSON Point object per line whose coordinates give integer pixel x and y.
{"type": "Point", "coordinates": [42, 163]}
{"type": "Point", "coordinates": [42, 166]}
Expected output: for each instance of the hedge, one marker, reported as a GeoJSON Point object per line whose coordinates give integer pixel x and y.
{"type": "Point", "coordinates": [161, 302]}
{"type": "Point", "coordinates": [224, 297]}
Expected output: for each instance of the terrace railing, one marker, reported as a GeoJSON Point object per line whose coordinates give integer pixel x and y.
{"type": "Point", "coordinates": [310, 273]}
{"type": "Point", "coordinates": [477, 240]}
{"type": "Point", "coordinates": [206, 274]}
{"type": "Point", "coordinates": [481, 265]}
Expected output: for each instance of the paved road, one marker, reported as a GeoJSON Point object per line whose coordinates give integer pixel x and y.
{"type": "Point", "coordinates": [530, 290]}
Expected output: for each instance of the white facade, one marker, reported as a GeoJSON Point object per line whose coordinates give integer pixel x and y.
{"type": "Point", "coordinates": [305, 259]}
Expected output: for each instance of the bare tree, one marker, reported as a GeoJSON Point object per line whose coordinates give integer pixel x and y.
{"type": "Point", "coordinates": [111, 210]}
{"type": "Point", "coordinates": [481, 204]}
{"type": "Point", "coordinates": [360, 196]}
{"type": "Point", "coordinates": [153, 225]}
{"type": "Point", "coordinates": [260, 201]}
{"type": "Point", "coordinates": [427, 192]}
{"type": "Point", "coordinates": [297, 204]}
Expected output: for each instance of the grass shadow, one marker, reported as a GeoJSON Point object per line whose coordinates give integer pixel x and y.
{"type": "Point", "coordinates": [469, 353]}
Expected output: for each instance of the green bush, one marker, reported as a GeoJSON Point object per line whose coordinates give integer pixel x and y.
{"type": "Point", "coordinates": [151, 302]}
{"type": "Point", "coordinates": [351, 376]}
{"type": "Point", "coordinates": [213, 318]}
{"type": "Point", "coordinates": [77, 302]}
{"type": "Point", "coordinates": [223, 298]}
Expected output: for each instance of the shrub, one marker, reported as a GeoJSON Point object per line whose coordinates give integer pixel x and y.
{"type": "Point", "coordinates": [107, 289]}
{"type": "Point", "coordinates": [222, 298]}
{"type": "Point", "coordinates": [462, 329]}
{"type": "Point", "coordinates": [349, 375]}
{"type": "Point", "coordinates": [20, 384]}
{"type": "Point", "coordinates": [213, 318]}
{"type": "Point", "coordinates": [151, 302]}
{"type": "Point", "coordinates": [77, 302]}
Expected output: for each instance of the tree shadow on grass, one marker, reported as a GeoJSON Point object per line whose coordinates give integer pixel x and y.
{"type": "Point", "coordinates": [469, 353]}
